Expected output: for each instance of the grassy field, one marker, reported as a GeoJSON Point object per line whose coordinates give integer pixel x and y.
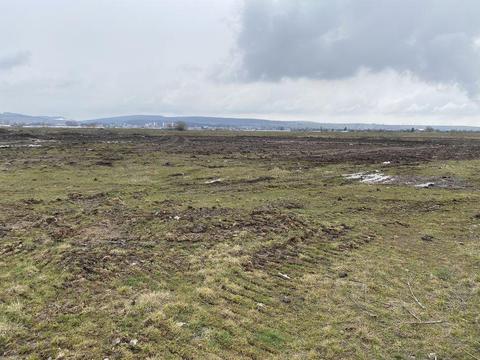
{"type": "Point", "coordinates": [164, 245]}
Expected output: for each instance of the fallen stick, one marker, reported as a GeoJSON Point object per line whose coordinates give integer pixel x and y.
{"type": "Point", "coordinates": [471, 355]}
{"type": "Point", "coordinates": [414, 297]}
{"type": "Point", "coordinates": [430, 322]}
{"type": "Point", "coordinates": [411, 313]}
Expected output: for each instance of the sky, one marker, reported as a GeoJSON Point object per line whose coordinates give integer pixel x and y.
{"type": "Point", "coordinates": [370, 61]}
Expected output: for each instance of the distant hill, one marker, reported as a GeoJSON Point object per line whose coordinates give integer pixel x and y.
{"type": "Point", "coordinates": [13, 118]}
{"type": "Point", "coordinates": [203, 121]}
{"type": "Point", "coordinates": [259, 124]}
{"type": "Point", "coordinates": [142, 121]}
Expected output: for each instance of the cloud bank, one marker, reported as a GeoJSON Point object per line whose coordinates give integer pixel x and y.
{"type": "Point", "coordinates": [436, 41]}
{"type": "Point", "coordinates": [384, 61]}
{"type": "Point", "coordinates": [11, 61]}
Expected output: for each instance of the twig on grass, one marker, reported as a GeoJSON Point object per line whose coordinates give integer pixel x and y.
{"type": "Point", "coordinates": [414, 297]}
{"type": "Point", "coordinates": [411, 312]}
{"type": "Point", "coordinates": [471, 355]}
{"type": "Point", "coordinates": [429, 322]}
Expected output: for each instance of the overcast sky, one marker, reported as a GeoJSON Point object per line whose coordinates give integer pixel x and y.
{"type": "Point", "coordinates": [384, 61]}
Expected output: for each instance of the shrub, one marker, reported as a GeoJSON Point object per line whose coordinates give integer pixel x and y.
{"type": "Point", "coordinates": [181, 126]}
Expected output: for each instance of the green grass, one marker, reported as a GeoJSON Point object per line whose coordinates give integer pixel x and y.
{"type": "Point", "coordinates": [299, 264]}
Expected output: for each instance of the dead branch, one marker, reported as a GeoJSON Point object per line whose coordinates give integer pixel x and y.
{"type": "Point", "coordinates": [471, 355]}
{"type": "Point", "coordinates": [414, 297]}
{"type": "Point", "coordinates": [411, 312]}
{"type": "Point", "coordinates": [429, 322]}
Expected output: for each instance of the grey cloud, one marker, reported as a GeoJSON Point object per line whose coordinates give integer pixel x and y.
{"type": "Point", "coordinates": [10, 61]}
{"type": "Point", "coordinates": [436, 40]}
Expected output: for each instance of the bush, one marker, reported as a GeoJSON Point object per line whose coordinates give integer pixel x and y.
{"type": "Point", "coordinates": [181, 126]}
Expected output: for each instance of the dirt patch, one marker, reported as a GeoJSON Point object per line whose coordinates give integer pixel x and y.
{"type": "Point", "coordinates": [104, 163]}
{"type": "Point", "coordinates": [3, 231]}
{"type": "Point", "coordinates": [213, 225]}
{"type": "Point", "coordinates": [102, 249]}
{"type": "Point", "coordinates": [89, 202]}
{"type": "Point", "coordinates": [286, 252]}
{"type": "Point", "coordinates": [102, 231]}
{"type": "Point", "coordinates": [285, 204]}
{"type": "Point", "coordinates": [289, 252]}
{"type": "Point", "coordinates": [309, 150]}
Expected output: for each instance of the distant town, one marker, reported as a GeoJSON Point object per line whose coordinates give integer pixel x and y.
{"type": "Point", "coordinates": [211, 123]}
